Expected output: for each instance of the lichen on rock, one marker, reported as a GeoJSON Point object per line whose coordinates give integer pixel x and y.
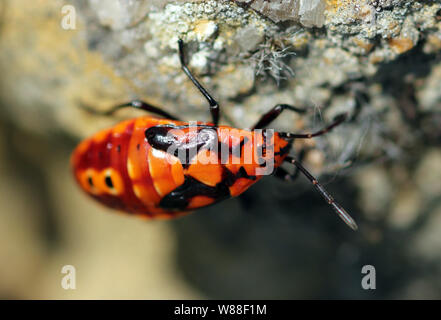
{"type": "Point", "coordinates": [308, 12]}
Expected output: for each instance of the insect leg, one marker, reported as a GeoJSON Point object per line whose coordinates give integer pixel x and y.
{"type": "Point", "coordinates": [325, 194]}
{"type": "Point", "coordinates": [271, 115]}
{"type": "Point", "coordinates": [137, 104]}
{"type": "Point", "coordinates": [337, 121]}
{"type": "Point", "coordinates": [214, 106]}
{"type": "Point", "coordinates": [284, 175]}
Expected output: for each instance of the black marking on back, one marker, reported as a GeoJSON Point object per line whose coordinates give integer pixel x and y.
{"type": "Point", "coordinates": [179, 198]}
{"type": "Point", "coordinates": [284, 150]}
{"type": "Point", "coordinates": [159, 138]}
{"type": "Point", "coordinates": [242, 173]}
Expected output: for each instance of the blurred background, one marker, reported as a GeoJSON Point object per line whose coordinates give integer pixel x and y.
{"type": "Point", "coordinates": [380, 62]}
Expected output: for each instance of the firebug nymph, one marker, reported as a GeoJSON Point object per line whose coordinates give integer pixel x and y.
{"type": "Point", "coordinates": [162, 167]}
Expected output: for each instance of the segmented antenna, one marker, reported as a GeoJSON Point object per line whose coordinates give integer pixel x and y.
{"type": "Point", "coordinates": [338, 120]}
{"type": "Point", "coordinates": [325, 194]}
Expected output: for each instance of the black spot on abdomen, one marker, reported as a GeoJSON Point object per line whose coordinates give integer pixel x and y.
{"type": "Point", "coordinates": [109, 182]}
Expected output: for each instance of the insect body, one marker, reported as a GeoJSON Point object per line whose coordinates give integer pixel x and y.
{"type": "Point", "coordinates": [128, 167]}
{"type": "Point", "coordinates": [162, 168]}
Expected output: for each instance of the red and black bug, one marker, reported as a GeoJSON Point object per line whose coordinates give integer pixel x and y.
{"type": "Point", "coordinates": [131, 166]}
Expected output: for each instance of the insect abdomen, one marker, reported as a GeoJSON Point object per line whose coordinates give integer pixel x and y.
{"type": "Point", "coordinates": [120, 169]}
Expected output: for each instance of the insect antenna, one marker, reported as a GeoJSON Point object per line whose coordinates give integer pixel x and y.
{"type": "Point", "coordinates": [337, 121]}
{"type": "Point", "coordinates": [325, 194]}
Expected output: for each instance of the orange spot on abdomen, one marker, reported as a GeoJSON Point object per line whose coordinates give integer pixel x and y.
{"type": "Point", "coordinates": [146, 193]}
{"type": "Point", "coordinates": [160, 171]}
{"type": "Point", "coordinates": [209, 171]}
{"type": "Point", "coordinates": [200, 201]}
